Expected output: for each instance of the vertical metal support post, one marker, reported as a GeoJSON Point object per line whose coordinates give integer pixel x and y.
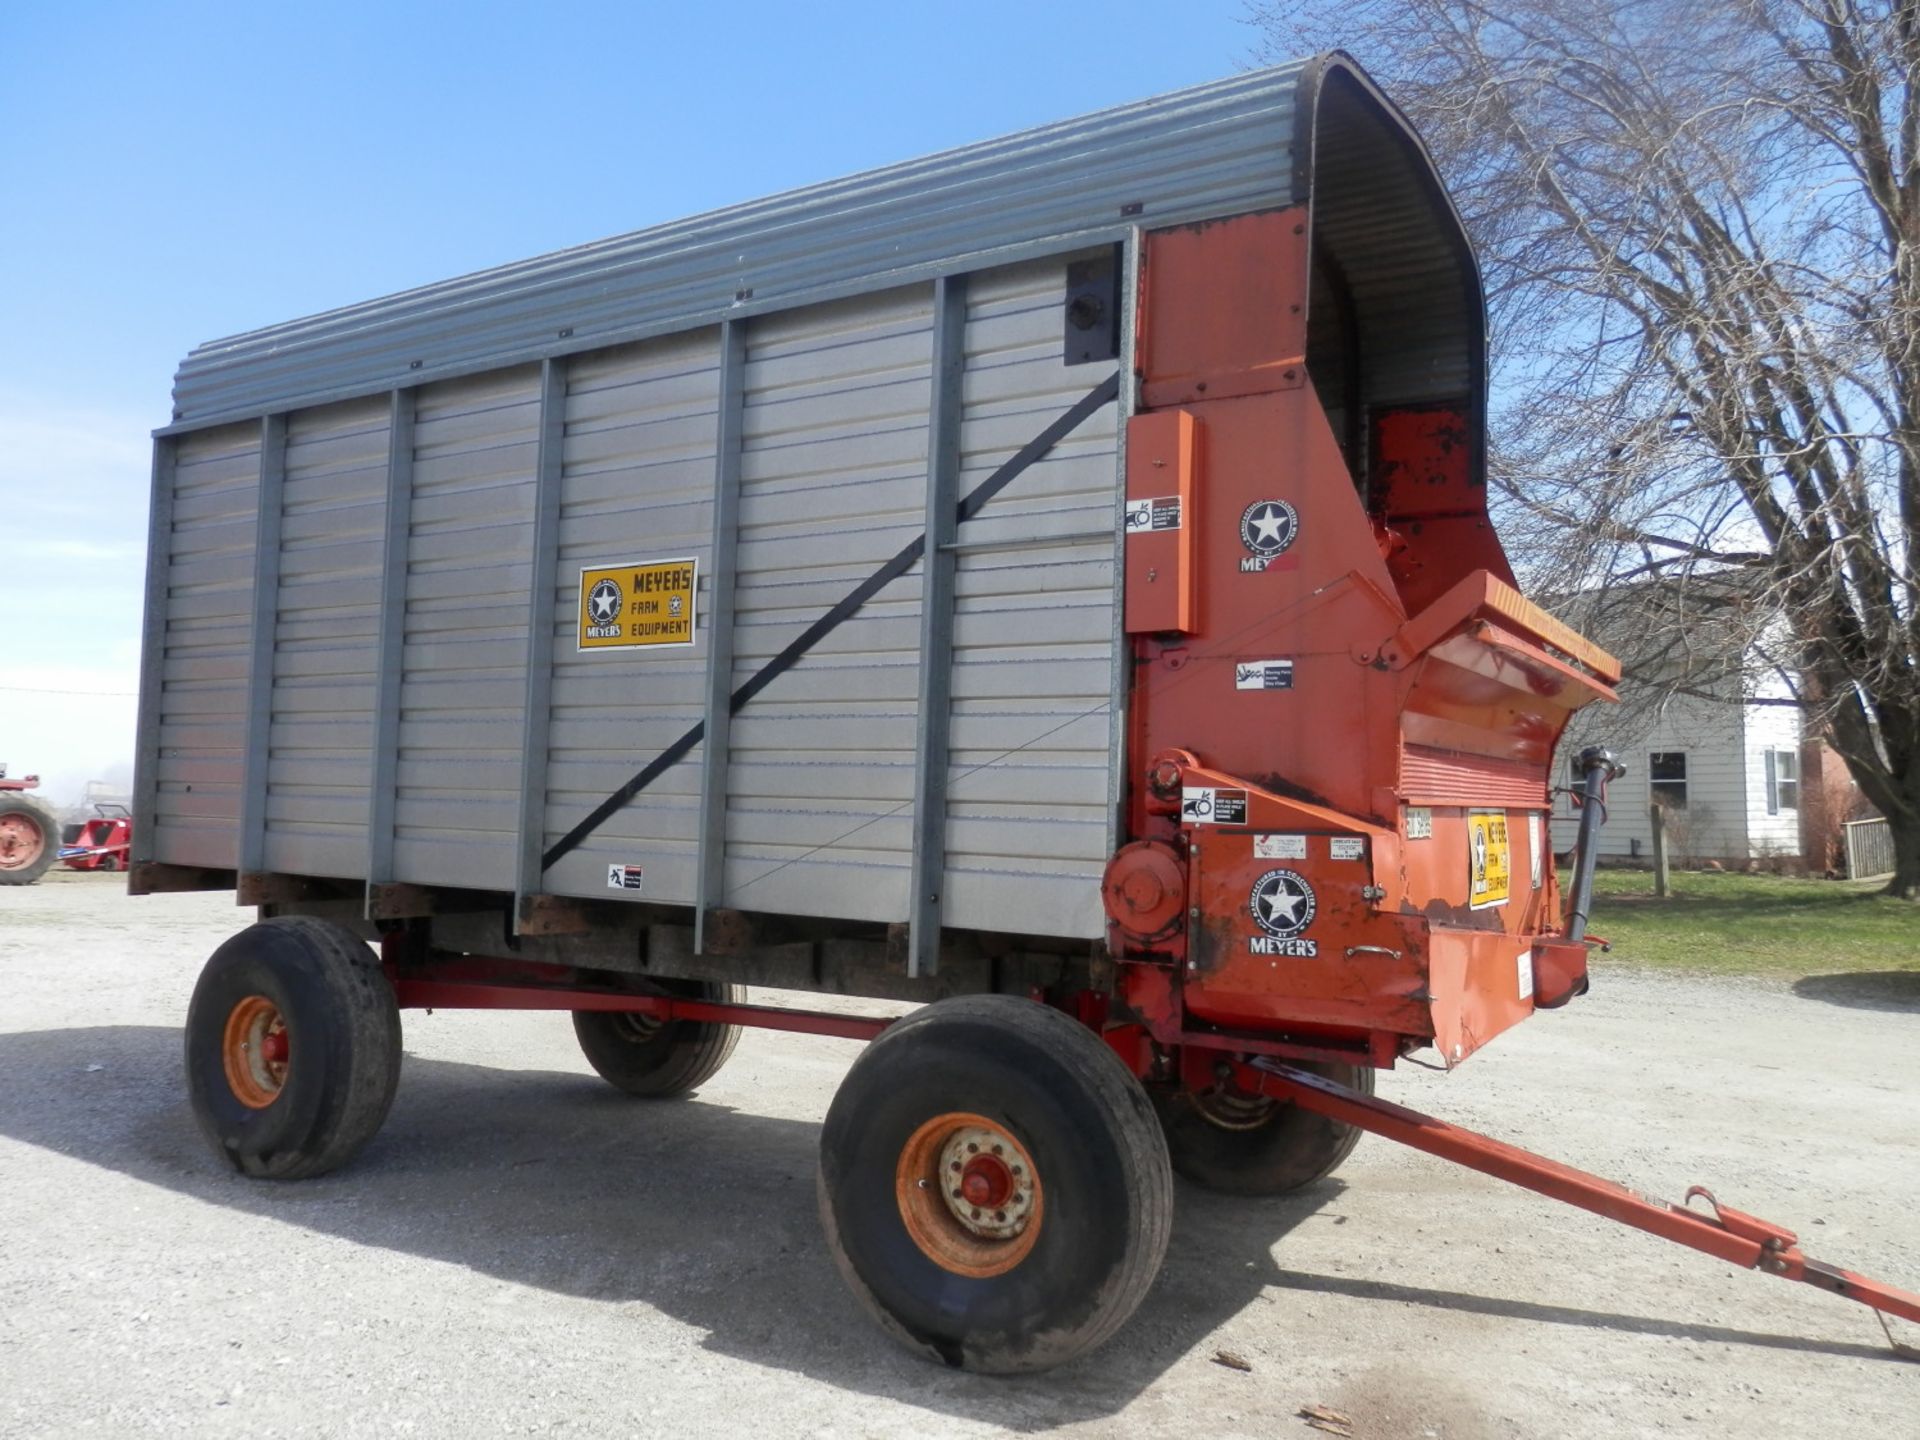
{"type": "Point", "coordinates": [256, 751]}
{"type": "Point", "coordinates": [711, 880]}
{"type": "Point", "coordinates": [153, 654]}
{"type": "Point", "coordinates": [928, 875]}
{"type": "Point", "coordinates": [1122, 647]}
{"type": "Point", "coordinates": [383, 772]}
{"type": "Point", "coordinates": [537, 710]}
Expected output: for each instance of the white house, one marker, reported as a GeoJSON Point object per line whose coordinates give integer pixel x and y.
{"type": "Point", "coordinates": [1728, 775]}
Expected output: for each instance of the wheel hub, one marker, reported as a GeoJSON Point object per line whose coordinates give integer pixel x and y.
{"type": "Point", "coordinates": [986, 1189]}
{"type": "Point", "coordinates": [970, 1195]}
{"type": "Point", "coordinates": [255, 1052]}
{"type": "Point", "coordinates": [21, 841]}
{"type": "Point", "coordinates": [1232, 1110]}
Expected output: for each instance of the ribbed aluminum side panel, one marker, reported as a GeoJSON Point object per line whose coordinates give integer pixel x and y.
{"type": "Point", "coordinates": [320, 749]}
{"type": "Point", "coordinates": [1033, 632]}
{"type": "Point", "coordinates": [203, 670]}
{"type": "Point", "coordinates": [1215, 149]}
{"type": "Point", "coordinates": [637, 484]}
{"type": "Point", "coordinates": [833, 483]}
{"type": "Point", "coordinates": [468, 569]}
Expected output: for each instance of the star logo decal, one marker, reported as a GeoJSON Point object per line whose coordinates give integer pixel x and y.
{"type": "Point", "coordinates": [1283, 903]}
{"type": "Point", "coordinates": [603, 603]}
{"type": "Point", "coordinates": [1268, 527]}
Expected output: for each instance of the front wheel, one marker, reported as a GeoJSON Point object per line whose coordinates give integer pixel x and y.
{"type": "Point", "coordinates": [1252, 1145]}
{"type": "Point", "coordinates": [994, 1186]}
{"type": "Point", "coordinates": [292, 1048]}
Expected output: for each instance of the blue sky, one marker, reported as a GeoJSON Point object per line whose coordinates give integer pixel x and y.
{"type": "Point", "coordinates": [171, 173]}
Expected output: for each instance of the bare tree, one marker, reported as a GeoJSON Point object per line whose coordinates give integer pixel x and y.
{"type": "Point", "coordinates": [1700, 229]}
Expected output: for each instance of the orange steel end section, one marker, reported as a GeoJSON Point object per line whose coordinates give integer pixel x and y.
{"type": "Point", "coordinates": [1731, 1235]}
{"type": "Point", "coordinates": [1343, 714]}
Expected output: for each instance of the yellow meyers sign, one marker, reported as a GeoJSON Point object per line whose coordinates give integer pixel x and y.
{"type": "Point", "coordinates": [1491, 858]}
{"type": "Point", "coordinates": [650, 603]}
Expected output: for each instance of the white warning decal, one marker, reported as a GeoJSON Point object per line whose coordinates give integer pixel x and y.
{"type": "Point", "coordinates": [1144, 516]}
{"type": "Point", "coordinates": [1346, 847]}
{"type": "Point", "coordinates": [623, 877]}
{"type": "Point", "coordinates": [1419, 822]}
{"type": "Point", "coordinates": [1263, 674]}
{"type": "Point", "coordinates": [1524, 962]}
{"type": "Point", "coordinates": [1536, 845]}
{"type": "Point", "coordinates": [1279, 847]}
{"type": "Point", "coordinates": [1208, 806]}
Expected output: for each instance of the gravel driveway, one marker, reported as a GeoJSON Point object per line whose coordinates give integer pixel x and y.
{"type": "Point", "coordinates": [523, 1251]}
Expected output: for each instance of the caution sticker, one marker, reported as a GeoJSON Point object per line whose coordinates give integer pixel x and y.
{"type": "Point", "coordinates": [1144, 516]}
{"type": "Point", "coordinates": [624, 877]}
{"type": "Point", "coordinates": [646, 604]}
{"type": "Point", "coordinates": [1279, 847]}
{"type": "Point", "coordinates": [1209, 806]}
{"type": "Point", "coordinates": [1490, 858]}
{"type": "Point", "coordinates": [1263, 674]}
{"type": "Point", "coordinates": [1419, 822]}
{"type": "Point", "coordinates": [1346, 847]}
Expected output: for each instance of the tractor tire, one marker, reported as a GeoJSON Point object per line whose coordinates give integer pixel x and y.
{"type": "Point", "coordinates": [108, 864]}
{"type": "Point", "coordinates": [27, 838]}
{"type": "Point", "coordinates": [1250, 1145]}
{"type": "Point", "coordinates": [292, 1048]}
{"type": "Point", "coordinates": [993, 1185]}
{"type": "Point", "coordinates": [659, 1059]}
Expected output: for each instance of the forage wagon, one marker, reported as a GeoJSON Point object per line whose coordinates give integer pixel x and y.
{"type": "Point", "coordinates": [1051, 580]}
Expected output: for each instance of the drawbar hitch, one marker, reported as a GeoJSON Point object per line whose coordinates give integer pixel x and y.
{"type": "Point", "coordinates": [1733, 1236]}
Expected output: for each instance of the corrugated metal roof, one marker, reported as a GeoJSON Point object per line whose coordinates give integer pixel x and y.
{"type": "Point", "coordinates": [1215, 149]}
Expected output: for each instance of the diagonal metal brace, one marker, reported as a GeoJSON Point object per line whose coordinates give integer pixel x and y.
{"type": "Point", "coordinates": [1733, 1236]}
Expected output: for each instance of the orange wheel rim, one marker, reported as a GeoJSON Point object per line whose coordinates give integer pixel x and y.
{"type": "Point", "coordinates": [969, 1194]}
{"type": "Point", "coordinates": [255, 1052]}
{"type": "Point", "coordinates": [21, 840]}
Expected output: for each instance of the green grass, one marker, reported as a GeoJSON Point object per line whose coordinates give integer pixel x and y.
{"type": "Point", "coordinates": [1754, 924]}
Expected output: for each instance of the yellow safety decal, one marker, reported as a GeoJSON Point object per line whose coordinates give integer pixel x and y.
{"type": "Point", "coordinates": [649, 603]}
{"type": "Point", "coordinates": [1490, 858]}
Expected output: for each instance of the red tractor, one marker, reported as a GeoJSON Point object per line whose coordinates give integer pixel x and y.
{"type": "Point", "coordinates": [28, 831]}
{"type": "Point", "coordinates": [102, 842]}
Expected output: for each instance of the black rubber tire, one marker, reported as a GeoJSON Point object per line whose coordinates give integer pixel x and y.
{"type": "Point", "coordinates": [343, 1029]}
{"type": "Point", "coordinates": [1057, 1089]}
{"type": "Point", "coordinates": [18, 802]}
{"type": "Point", "coordinates": [657, 1061]}
{"type": "Point", "coordinates": [1292, 1147]}
{"type": "Point", "coordinates": [108, 864]}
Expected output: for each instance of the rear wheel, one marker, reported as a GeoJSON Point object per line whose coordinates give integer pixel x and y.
{"type": "Point", "coordinates": [994, 1186]}
{"type": "Point", "coordinates": [27, 847]}
{"type": "Point", "coordinates": [292, 1048]}
{"type": "Point", "coordinates": [1250, 1145]}
{"type": "Point", "coordinates": [654, 1058]}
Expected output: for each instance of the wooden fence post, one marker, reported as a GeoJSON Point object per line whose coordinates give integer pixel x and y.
{"type": "Point", "coordinates": [1658, 814]}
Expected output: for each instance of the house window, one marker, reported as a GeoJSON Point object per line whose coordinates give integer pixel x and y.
{"type": "Point", "coordinates": [1783, 781]}
{"type": "Point", "coordinates": [1667, 778]}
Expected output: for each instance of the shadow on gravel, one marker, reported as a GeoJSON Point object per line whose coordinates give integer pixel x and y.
{"type": "Point", "coordinates": [1565, 1315]}
{"type": "Point", "coordinates": [694, 1209]}
{"type": "Point", "coordinates": [1864, 990]}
